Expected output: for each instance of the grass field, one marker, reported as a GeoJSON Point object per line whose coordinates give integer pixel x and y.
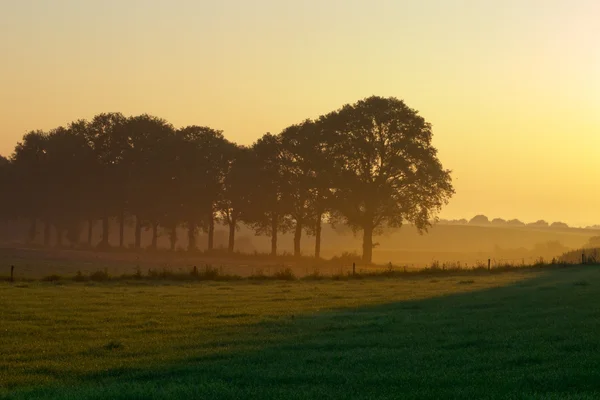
{"type": "Point", "coordinates": [518, 334]}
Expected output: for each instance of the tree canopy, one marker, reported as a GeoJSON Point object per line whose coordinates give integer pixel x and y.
{"type": "Point", "coordinates": [369, 165]}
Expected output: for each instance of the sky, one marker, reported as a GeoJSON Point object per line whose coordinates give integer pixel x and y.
{"type": "Point", "coordinates": [511, 87]}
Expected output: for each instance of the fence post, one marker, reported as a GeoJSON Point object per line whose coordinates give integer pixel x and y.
{"type": "Point", "coordinates": [583, 258]}
{"type": "Point", "coordinates": [489, 264]}
{"type": "Point", "coordinates": [12, 273]}
{"type": "Point", "coordinates": [353, 268]}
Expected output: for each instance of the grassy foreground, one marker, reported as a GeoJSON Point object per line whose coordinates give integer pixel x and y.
{"type": "Point", "coordinates": [520, 334]}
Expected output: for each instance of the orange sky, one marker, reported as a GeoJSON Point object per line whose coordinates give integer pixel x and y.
{"type": "Point", "coordinates": [511, 87]}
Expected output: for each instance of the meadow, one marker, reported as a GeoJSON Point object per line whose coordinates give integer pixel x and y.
{"type": "Point", "coordinates": [516, 334]}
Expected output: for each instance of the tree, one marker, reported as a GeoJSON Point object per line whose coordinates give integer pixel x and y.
{"type": "Point", "coordinates": [386, 171]}
{"type": "Point", "coordinates": [32, 183]}
{"type": "Point", "coordinates": [203, 161]}
{"type": "Point", "coordinates": [515, 222]}
{"type": "Point", "coordinates": [479, 220]}
{"type": "Point", "coordinates": [538, 224]}
{"type": "Point", "coordinates": [148, 172]}
{"type": "Point", "coordinates": [305, 163]}
{"type": "Point", "coordinates": [499, 222]}
{"type": "Point", "coordinates": [68, 160]}
{"type": "Point", "coordinates": [269, 208]}
{"type": "Point", "coordinates": [106, 138]}
{"type": "Point", "coordinates": [234, 202]}
{"type": "Point", "coordinates": [559, 225]}
{"type": "Point", "coordinates": [7, 197]}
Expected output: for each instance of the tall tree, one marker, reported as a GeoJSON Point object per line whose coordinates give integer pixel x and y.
{"type": "Point", "coordinates": [387, 170]}
{"type": "Point", "coordinates": [68, 161]}
{"type": "Point", "coordinates": [234, 201]}
{"type": "Point", "coordinates": [32, 182]}
{"type": "Point", "coordinates": [203, 160]}
{"type": "Point", "coordinates": [148, 163]}
{"type": "Point", "coordinates": [306, 168]}
{"type": "Point", "coordinates": [8, 195]}
{"type": "Point", "coordinates": [105, 136]}
{"type": "Point", "coordinates": [270, 196]}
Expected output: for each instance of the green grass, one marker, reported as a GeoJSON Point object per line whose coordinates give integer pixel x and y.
{"type": "Point", "coordinates": [519, 334]}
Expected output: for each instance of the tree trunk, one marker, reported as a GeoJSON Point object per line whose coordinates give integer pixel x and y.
{"type": "Point", "coordinates": [46, 234]}
{"type": "Point", "coordinates": [192, 236]}
{"type": "Point", "coordinates": [274, 226]}
{"type": "Point", "coordinates": [154, 245]}
{"type": "Point", "coordinates": [31, 235]}
{"type": "Point", "coordinates": [318, 236]}
{"type": "Point", "coordinates": [138, 232]}
{"type": "Point", "coordinates": [105, 231]}
{"type": "Point", "coordinates": [122, 229]}
{"type": "Point", "coordinates": [211, 231]}
{"type": "Point", "coordinates": [297, 238]}
{"type": "Point", "coordinates": [90, 231]}
{"type": "Point", "coordinates": [232, 226]}
{"type": "Point", "coordinates": [367, 255]}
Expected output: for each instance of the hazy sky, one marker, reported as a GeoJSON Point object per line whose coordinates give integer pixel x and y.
{"type": "Point", "coordinates": [511, 87]}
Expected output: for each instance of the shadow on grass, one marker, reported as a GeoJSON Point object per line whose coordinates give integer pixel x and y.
{"type": "Point", "coordinates": [538, 338]}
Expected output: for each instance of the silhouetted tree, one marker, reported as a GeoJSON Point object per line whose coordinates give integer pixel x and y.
{"type": "Point", "coordinates": [498, 221]}
{"type": "Point", "coordinates": [148, 169]}
{"type": "Point", "coordinates": [479, 220]}
{"type": "Point", "coordinates": [234, 202]}
{"type": "Point", "coordinates": [559, 225]}
{"type": "Point", "coordinates": [109, 144]}
{"type": "Point", "coordinates": [7, 198]}
{"type": "Point", "coordinates": [203, 162]}
{"type": "Point", "coordinates": [306, 169]}
{"type": "Point", "coordinates": [386, 169]}
{"type": "Point", "coordinates": [270, 197]}
{"type": "Point", "coordinates": [32, 183]}
{"type": "Point", "coordinates": [515, 222]}
{"type": "Point", "coordinates": [538, 224]}
{"type": "Point", "coordinates": [68, 161]}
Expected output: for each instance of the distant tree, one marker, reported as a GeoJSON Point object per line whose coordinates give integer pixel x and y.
{"type": "Point", "coordinates": [515, 222]}
{"type": "Point", "coordinates": [462, 221]}
{"type": "Point", "coordinates": [593, 242]}
{"type": "Point", "coordinates": [559, 225]}
{"type": "Point", "coordinates": [538, 224]}
{"type": "Point", "coordinates": [498, 221]}
{"type": "Point", "coordinates": [385, 169]}
{"type": "Point", "coordinates": [479, 220]}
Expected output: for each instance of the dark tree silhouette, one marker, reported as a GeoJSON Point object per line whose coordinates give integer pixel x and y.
{"type": "Point", "coordinates": [234, 203]}
{"type": "Point", "coordinates": [106, 139]}
{"type": "Point", "coordinates": [270, 199]}
{"type": "Point", "coordinates": [306, 167]}
{"type": "Point", "coordinates": [203, 162]}
{"type": "Point", "coordinates": [479, 220]}
{"type": "Point", "coordinates": [32, 182]}
{"type": "Point", "coordinates": [387, 171]}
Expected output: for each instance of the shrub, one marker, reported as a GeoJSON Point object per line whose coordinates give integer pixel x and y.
{"type": "Point", "coordinates": [100, 276]}
{"type": "Point", "coordinates": [285, 275]}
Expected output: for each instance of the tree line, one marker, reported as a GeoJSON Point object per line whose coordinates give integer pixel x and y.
{"type": "Point", "coordinates": [369, 165]}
